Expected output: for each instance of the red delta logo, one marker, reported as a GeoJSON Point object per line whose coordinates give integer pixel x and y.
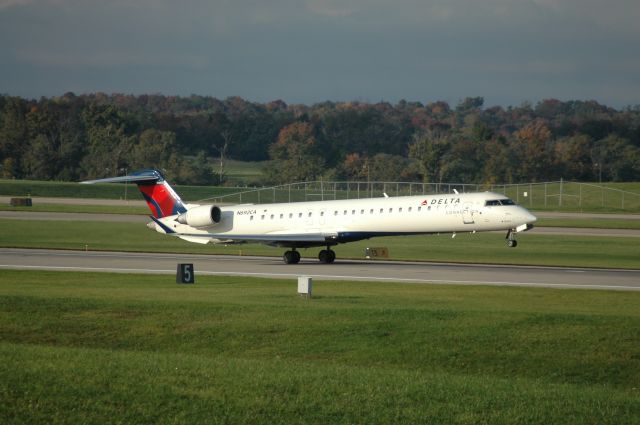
{"type": "Point", "coordinates": [423, 203]}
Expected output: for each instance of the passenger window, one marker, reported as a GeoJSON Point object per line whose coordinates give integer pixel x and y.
{"type": "Point", "coordinates": [419, 208]}
{"type": "Point", "coordinates": [271, 216]}
{"type": "Point", "coordinates": [371, 211]}
{"type": "Point", "coordinates": [361, 211]}
{"type": "Point", "coordinates": [321, 213]}
{"type": "Point", "coordinates": [281, 215]}
{"type": "Point", "coordinates": [390, 210]}
{"type": "Point", "coordinates": [262, 217]}
{"type": "Point", "coordinates": [290, 215]}
{"type": "Point", "coordinates": [400, 209]}
{"type": "Point", "coordinates": [251, 218]}
{"type": "Point", "coordinates": [381, 210]}
{"type": "Point", "coordinates": [310, 214]}
{"type": "Point", "coordinates": [410, 209]}
{"type": "Point", "coordinates": [299, 214]}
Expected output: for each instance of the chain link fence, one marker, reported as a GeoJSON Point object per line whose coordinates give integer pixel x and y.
{"type": "Point", "coordinates": [555, 195]}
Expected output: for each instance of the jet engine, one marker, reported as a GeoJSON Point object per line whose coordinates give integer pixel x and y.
{"type": "Point", "coordinates": [202, 216]}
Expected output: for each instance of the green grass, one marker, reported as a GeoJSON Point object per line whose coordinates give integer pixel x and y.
{"type": "Point", "coordinates": [117, 348]}
{"type": "Point", "coordinates": [89, 209]}
{"type": "Point", "coordinates": [601, 223]}
{"type": "Point", "coordinates": [243, 172]}
{"type": "Point", "coordinates": [589, 197]}
{"type": "Point", "coordinates": [552, 250]}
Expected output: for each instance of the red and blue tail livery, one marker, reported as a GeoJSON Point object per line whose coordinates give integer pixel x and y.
{"type": "Point", "coordinates": [162, 200]}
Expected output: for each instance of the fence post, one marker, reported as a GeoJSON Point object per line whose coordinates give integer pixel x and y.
{"type": "Point", "coordinates": [545, 195]}
{"type": "Point", "coordinates": [580, 197]}
{"type": "Point", "coordinates": [560, 197]}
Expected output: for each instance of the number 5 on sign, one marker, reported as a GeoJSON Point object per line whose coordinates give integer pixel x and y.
{"type": "Point", "coordinates": [185, 274]}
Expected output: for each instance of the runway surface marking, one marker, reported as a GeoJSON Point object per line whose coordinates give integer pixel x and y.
{"type": "Point", "coordinates": [316, 276]}
{"type": "Point", "coordinates": [357, 270]}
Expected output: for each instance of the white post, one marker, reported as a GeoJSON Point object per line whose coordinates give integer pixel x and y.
{"type": "Point", "coordinates": [305, 284]}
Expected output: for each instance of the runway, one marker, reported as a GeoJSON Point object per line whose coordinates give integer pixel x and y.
{"type": "Point", "coordinates": [270, 267]}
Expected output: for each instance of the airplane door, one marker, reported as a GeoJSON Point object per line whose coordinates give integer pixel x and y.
{"type": "Point", "coordinates": [467, 215]}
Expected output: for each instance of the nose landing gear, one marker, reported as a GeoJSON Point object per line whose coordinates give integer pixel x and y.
{"type": "Point", "coordinates": [511, 239]}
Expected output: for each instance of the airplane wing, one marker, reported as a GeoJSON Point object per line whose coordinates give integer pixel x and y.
{"type": "Point", "coordinates": [315, 238]}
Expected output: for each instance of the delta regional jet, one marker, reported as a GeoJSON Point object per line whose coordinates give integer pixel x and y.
{"type": "Point", "coordinates": [325, 223]}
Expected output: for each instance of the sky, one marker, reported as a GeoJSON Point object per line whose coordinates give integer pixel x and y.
{"type": "Point", "coordinates": [309, 51]}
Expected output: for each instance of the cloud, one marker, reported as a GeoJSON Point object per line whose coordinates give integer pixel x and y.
{"type": "Point", "coordinates": [314, 50]}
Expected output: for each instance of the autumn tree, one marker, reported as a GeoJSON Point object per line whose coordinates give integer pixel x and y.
{"type": "Point", "coordinates": [532, 150]}
{"type": "Point", "coordinates": [428, 149]}
{"type": "Point", "coordinates": [295, 155]}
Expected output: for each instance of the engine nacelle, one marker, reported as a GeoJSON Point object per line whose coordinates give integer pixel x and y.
{"type": "Point", "coordinates": [202, 216]}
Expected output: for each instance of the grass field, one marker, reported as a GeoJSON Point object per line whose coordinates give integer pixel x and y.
{"type": "Point", "coordinates": [102, 348]}
{"type": "Point", "coordinates": [582, 251]}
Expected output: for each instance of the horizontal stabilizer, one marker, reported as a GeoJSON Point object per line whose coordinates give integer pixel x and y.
{"type": "Point", "coordinates": [146, 176]}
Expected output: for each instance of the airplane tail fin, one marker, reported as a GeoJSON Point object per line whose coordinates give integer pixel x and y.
{"type": "Point", "coordinates": [162, 200]}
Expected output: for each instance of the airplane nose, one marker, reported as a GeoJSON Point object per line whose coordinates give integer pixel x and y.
{"type": "Point", "coordinates": [529, 218]}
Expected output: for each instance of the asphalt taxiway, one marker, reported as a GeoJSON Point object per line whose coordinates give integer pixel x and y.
{"type": "Point", "coordinates": [272, 267]}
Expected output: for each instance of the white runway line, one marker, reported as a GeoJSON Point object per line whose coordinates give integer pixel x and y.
{"type": "Point", "coordinates": [328, 277]}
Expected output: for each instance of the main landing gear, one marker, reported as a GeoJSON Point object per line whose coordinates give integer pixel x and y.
{"type": "Point", "coordinates": [326, 256]}
{"type": "Point", "coordinates": [291, 257]}
{"type": "Point", "coordinates": [511, 239]}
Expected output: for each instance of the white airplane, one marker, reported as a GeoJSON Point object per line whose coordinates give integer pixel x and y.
{"type": "Point", "coordinates": [325, 223]}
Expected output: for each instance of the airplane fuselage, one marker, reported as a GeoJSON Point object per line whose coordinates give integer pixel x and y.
{"type": "Point", "coordinates": [349, 220]}
{"type": "Point", "coordinates": [325, 223]}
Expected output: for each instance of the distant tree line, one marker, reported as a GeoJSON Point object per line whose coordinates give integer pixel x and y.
{"type": "Point", "coordinates": [79, 137]}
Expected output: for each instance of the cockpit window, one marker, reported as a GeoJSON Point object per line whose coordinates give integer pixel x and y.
{"type": "Point", "coordinates": [497, 202]}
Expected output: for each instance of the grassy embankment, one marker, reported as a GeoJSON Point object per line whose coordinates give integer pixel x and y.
{"type": "Point", "coordinates": [609, 252]}
{"type": "Point", "coordinates": [101, 348]}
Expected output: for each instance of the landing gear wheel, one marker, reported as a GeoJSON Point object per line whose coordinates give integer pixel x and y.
{"type": "Point", "coordinates": [291, 257]}
{"type": "Point", "coordinates": [327, 256]}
